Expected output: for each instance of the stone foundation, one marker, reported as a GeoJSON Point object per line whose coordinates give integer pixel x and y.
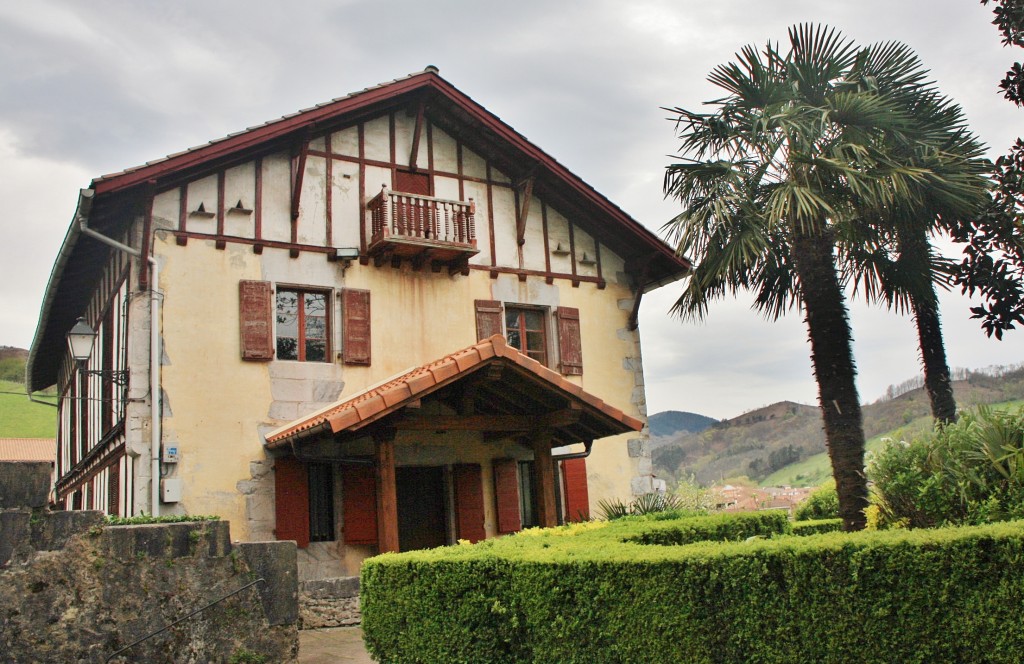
{"type": "Point", "coordinates": [329, 603]}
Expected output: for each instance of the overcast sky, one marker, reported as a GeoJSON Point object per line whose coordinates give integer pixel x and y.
{"type": "Point", "coordinates": [88, 88]}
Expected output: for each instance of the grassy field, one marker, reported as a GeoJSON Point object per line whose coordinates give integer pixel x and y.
{"type": "Point", "coordinates": [814, 470]}
{"type": "Point", "coordinates": [20, 418]}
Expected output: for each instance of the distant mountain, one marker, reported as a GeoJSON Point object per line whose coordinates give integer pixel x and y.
{"type": "Point", "coordinates": [674, 421]}
{"type": "Point", "coordinates": [763, 441]}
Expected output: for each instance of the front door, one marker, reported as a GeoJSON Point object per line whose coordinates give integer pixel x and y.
{"type": "Point", "coordinates": [421, 508]}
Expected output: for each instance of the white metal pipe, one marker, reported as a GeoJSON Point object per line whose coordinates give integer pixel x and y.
{"type": "Point", "coordinates": [155, 396]}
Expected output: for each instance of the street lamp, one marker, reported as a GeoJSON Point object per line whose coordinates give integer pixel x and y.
{"type": "Point", "coordinates": [81, 338]}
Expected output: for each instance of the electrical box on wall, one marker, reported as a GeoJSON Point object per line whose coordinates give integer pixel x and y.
{"type": "Point", "coordinates": [170, 454]}
{"type": "Point", "coordinates": [170, 490]}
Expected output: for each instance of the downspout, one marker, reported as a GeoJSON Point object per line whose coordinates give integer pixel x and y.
{"type": "Point", "coordinates": [155, 349]}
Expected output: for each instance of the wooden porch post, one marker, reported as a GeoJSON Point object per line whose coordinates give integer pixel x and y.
{"type": "Point", "coordinates": [545, 479]}
{"type": "Point", "coordinates": [387, 495]}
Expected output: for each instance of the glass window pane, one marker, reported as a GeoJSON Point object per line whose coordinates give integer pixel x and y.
{"type": "Point", "coordinates": [316, 350]}
{"type": "Point", "coordinates": [316, 328]}
{"type": "Point", "coordinates": [315, 303]}
{"type": "Point", "coordinates": [287, 348]}
{"type": "Point", "coordinates": [287, 313]}
{"type": "Point", "coordinates": [534, 319]}
{"type": "Point", "coordinates": [535, 341]}
{"type": "Point", "coordinates": [514, 339]}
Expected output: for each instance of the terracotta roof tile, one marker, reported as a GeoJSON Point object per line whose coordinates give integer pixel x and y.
{"type": "Point", "coordinates": [28, 449]}
{"type": "Point", "coordinates": [390, 395]}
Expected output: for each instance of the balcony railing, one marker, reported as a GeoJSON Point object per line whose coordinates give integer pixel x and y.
{"type": "Point", "coordinates": [410, 224]}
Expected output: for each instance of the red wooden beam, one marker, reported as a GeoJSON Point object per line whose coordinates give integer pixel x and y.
{"type": "Point", "coordinates": [416, 136]}
{"type": "Point", "coordinates": [387, 491]}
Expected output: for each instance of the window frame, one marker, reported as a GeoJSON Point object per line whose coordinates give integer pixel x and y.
{"type": "Point", "coordinates": [521, 310]}
{"type": "Point", "coordinates": [301, 338]}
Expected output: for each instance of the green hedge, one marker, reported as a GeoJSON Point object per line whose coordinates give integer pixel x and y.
{"type": "Point", "coordinates": [817, 526]}
{"type": "Point", "coordinates": [582, 593]}
{"type": "Point", "coordinates": [715, 527]}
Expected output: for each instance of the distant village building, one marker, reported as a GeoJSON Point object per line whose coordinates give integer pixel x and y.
{"type": "Point", "coordinates": [30, 450]}
{"type": "Point", "coordinates": [383, 323]}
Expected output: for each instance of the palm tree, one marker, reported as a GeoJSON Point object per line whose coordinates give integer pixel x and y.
{"type": "Point", "coordinates": [804, 147]}
{"type": "Point", "coordinates": [904, 269]}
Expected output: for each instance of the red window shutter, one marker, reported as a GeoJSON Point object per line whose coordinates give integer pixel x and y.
{"type": "Point", "coordinates": [506, 494]}
{"type": "Point", "coordinates": [254, 314]}
{"type": "Point", "coordinates": [355, 305]}
{"type": "Point", "coordinates": [291, 494]}
{"type": "Point", "coordinates": [469, 502]}
{"type": "Point", "coordinates": [114, 488]}
{"type": "Point", "coordinates": [577, 498]}
{"type": "Point", "coordinates": [570, 349]}
{"type": "Point", "coordinates": [359, 504]}
{"type": "Point", "coordinates": [488, 319]}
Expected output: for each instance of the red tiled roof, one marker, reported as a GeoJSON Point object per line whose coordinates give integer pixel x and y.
{"type": "Point", "coordinates": [28, 449]}
{"type": "Point", "coordinates": [390, 396]}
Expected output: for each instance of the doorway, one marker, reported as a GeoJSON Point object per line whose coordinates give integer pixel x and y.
{"type": "Point", "coordinates": [422, 513]}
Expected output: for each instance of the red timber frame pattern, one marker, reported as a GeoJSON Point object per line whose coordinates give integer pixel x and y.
{"type": "Point", "coordinates": [196, 210]}
{"type": "Point", "coordinates": [93, 471]}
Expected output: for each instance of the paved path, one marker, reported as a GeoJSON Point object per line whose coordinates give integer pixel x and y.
{"type": "Point", "coordinates": [336, 644]}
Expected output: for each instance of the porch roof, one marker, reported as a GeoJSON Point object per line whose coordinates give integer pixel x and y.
{"type": "Point", "coordinates": [491, 387]}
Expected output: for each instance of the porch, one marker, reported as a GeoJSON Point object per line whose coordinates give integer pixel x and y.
{"type": "Point", "coordinates": [480, 443]}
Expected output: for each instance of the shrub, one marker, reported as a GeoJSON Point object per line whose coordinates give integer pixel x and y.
{"type": "Point", "coordinates": [649, 503]}
{"type": "Point", "coordinates": [823, 503]}
{"type": "Point", "coordinates": [939, 595]}
{"type": "Point", "coordinates": [817, 527]}
{"type": "Point", "coordinates": [969, 472]}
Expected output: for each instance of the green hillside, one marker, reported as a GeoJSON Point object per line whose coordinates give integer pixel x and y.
{"type": "Point", "coordinates": [21, 418]}
{"type": "Point", "coordinates": [784, 443]}
{"type": "Point", "coordinates": [814, 470]}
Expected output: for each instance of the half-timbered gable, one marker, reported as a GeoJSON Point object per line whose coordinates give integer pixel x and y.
{"type": "Point", "coordinates": [241, 289]}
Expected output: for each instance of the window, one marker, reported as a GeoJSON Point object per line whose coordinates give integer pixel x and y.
{"type": "Point", "coordinates": [525, 331]}
{"type": "Point", "coordinates": [302, 325]}
{"type": "Point", "coordinates": [321, 502]}
{"type": "Point", "coordinates": [526, 489]}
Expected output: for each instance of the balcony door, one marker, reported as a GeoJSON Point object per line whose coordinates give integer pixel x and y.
{"type": "Point", "coordinates": [408, 182]}
{"type": "Point", "coordinates": [412, 216]}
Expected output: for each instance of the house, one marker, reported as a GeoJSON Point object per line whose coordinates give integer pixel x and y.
{"type": "Point", "coordinates": [386, 322]}
{"type": "Point", "coordinates": [30, 450]}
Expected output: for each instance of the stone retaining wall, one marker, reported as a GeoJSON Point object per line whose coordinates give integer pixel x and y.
{"type": "Point", "coordinates": [329, 603]}
{"type": "Point", "coordinates": [73, 590]}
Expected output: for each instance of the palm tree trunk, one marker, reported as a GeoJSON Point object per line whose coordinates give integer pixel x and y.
{"type": "Point", "coordinates": [914, 251]}
{"type": "Point", "coordinates": [832, 356]}
{"type": "Point", "coordinates": [933, 356]}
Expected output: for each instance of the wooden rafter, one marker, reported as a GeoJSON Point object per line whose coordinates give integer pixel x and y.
{"type": "Point", "coordinates": [525, 199]}
{"type": "Point", "coordinates": [417, 132]}
{"type": "Point", "coordinates": [556, 418]}
{"type": "Point", "coordinates": [301, 151]}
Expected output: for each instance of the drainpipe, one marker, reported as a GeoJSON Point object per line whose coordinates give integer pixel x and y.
{"type": "Point", "coordinates": [155, 349]}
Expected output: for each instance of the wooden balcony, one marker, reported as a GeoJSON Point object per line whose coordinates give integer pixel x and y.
{"type": "Point", "coordinates": [427, 231]}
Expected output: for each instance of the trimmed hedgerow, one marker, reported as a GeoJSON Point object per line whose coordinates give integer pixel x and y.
{"type": "Point", "coordinates": [817, 526]}
{"type": "Point", "coordinates": [715, 527]}
{"type": "Point", "coordinates": [584, 594]}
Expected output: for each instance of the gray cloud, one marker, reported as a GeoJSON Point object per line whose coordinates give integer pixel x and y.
{"type": "Point", "coordinates": [89, 88]}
